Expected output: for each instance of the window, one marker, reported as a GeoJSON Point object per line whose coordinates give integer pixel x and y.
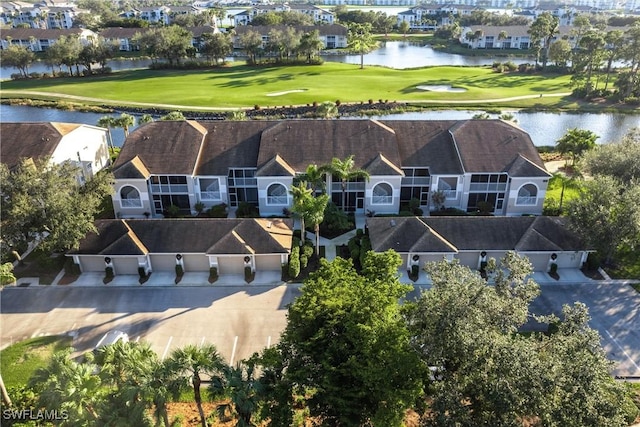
{"type": "Point", "coordinates": [130, 197]}
{"type": "Point", "coordinates": [448, 186]}
{"type": "Point", "coordinates": [209, 189]}
{"type": "Point", "coordinates": [382, 194]}
{"type": "Point", "coordinates": [277, 195]}
{"type": "Point", "coordinates": [527, 195]}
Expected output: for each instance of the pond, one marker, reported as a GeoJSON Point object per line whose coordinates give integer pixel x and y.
{"type": "Point", "coordinates": [544, 128]}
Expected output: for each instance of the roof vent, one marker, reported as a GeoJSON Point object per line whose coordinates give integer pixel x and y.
{"type": "Point", "coordinates": [392, 223]}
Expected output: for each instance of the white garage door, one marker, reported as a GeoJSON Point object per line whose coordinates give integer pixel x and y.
{"type": "Point", "coordinates": [163, 262]}
{"type": "Point", "coordinates": [268, 263]}
{"type": "Point", "coordinates": [540, 262]}
{"type": "Point", "coordinates": [193, 262]}
{"type": "Point", "coordinates": [92, 263]}
{"type": "Point", "coordinates": [231, 264]}
{"type": "Point", "coordinates": [125, 265]}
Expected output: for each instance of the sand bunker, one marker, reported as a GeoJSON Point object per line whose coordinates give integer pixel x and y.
{"type": "Point", "coordinates": [441, 88]}
{"type": "Point", "coordinates": [285, 92]}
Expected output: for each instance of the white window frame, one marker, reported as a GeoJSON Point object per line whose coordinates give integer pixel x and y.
{"type": "Point", "coordinates": [128, 204]}
{"type": "Point", "coordinates": [277, 200]}
{"type": "Point", "coordinates": [527, 200]}
{"type": "Point", "coordinates": [204, 193]}
{"type": "Point", "coordinates": [379, 199]}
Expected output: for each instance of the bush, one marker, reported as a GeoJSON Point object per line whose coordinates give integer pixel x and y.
{"type": "Point", "coordinates": [213, 274]}
{"type": "Point", "coordinates": [248, 274]}
{"type": "Point", "coordinates": [307, 250]}
{"type": "Point", "coordinates": [108, 272]}
{"type": "Point", "coordinates": [179, 270]}
{"type": "Point", "coordinates": [35, 75]}
{"type": "Point", "coordinates": [365, 246]}
{"type": "Point", "coordinates": [199, 207]}
{"type": "Point", "coordinates": [294, 262]}
{"type": "Point", "coordinates": [247, 210]}
{"type": "Point", "coordinates": [217, 211]}
{"type": "Point", "coordinates": [553, 269]}
{"type": "Point", "coordinates": [499, 69]}
{"type": "Point", "coordinates": [495, 64]}
{"type": "Point", "coordinates": [173, 211]}
{"type": "Point", "coordinates": [510, 66]}
{"type": "Point", "coordinates": [142, 272]}
{"type": "Point", "coordinates": [304, 261]}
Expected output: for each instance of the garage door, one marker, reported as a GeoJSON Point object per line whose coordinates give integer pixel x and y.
{"type": "Point", "coordinates": [196, 263]}
{"type": "Point", "coordinates": [231, 265]}
{"type": "Point", "coordinates": [92, 263]}
{"type": "Point", "coordinates": [163, 262]}
{"type": "Point", "coordinates": [268, 263]}
{"type": "Point", "coordinates": [125, 265]}
{"type": "Point", "coordinates": [540, 262]}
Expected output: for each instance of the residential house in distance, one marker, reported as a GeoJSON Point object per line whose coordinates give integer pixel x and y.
{"type": "Point", "coordinates": [39, 40]}
{"type": "Point", "coordinates": [197, 245]}
{"type": "Point", "coordinates": [124, 36]}
{"type": "Point", "coordinates": [474, 163]}
{"type": "Point", "coordinates": [333, 36]}
{"type": "Point", "coordinates": [319, 15]}
{"type": "Point", "coordinates": [474, 239]}
{"type": "Point", "coordinates": [432, 16]}
{"type": "Point", "coordinates": [82, 145]}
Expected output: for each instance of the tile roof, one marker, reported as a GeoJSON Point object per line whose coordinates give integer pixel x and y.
{"type": "Point", "coordinates": [188, 235]}
{"type": "Point", "coordinates": [31, 140]}
{"type": "Point", "coordinates": [453, 234]}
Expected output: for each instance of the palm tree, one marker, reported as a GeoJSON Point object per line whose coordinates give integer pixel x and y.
{"type": "Point", "coordinates": [345, 170]}
{"type": "Point", "coordinates": [361, 40]}
{"type": "Point", "coordinates": [315, 215]}
{"type": "Point", "coordinates": [502, 36]}
{"type": "Point", "coordinates": [69, 386]}
{"type": "Point", "coordinates": [108, 122]}
{"type": "Point", "coordinates": [242, 389]}
{"type": "Point", "coordinates": [314, 177]}
{"type": "Point", "coordinates": [190, 362]}
{"type": "Point", "coordinates": [125, 121]}
{"type": "Point", "coordinates": [301, 195]}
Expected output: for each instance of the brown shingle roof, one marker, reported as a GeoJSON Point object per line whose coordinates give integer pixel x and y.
{"type": "Point", "coordinates": [408, 234]}
{"type": "Point", "coordinates": [164, 147]}
{"type": "Point", "coordinates": [39, 33]}
{"type": "Point", "coordinates": [122, 33]}
{"type": "Point", "coordinates": [31, 140]}
{"type": "Point", "coordinates": [275, 167]}
{"type": "Point", "coordinates": [492, 146]}
{"type": "Point", "coordinates": [212, 236]}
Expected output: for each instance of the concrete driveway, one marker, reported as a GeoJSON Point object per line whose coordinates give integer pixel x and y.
{"type": "Point", "coordinates": [239, 320]}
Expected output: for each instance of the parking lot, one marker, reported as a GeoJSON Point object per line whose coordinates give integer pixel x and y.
{"type": "Point", "coordinates": [241, 320]}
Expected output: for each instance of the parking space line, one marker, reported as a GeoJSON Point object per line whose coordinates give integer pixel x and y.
{"type": "Point", "coordinates": [269, 341]}
{"type": "Point", "coordinates": [166, 349]}
{"type": "Point", "coordinates": [233, 351]}
{"type": "Point", "coordinates": [623, 351]}
{"type": "Point", "coordinates": [202, 342]}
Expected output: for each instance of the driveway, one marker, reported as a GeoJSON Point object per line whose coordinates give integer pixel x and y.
{"type": "Point", "coordinates": [239, 320]}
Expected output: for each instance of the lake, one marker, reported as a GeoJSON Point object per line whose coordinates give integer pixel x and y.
{"type": "Point", "coordinates": [544, 128]}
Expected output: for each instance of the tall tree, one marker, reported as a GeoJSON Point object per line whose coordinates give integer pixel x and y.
{"type": "Point", "coordinates": [620, 160]}
{"type": "Point", "coordinates": [108, 122]}
{"type": "Point", "coordinates": [216, 47]}
{"type": "Point", "coordinates": [607, 215]}
{"type": "Point", "coordinates": [301, 197]}
{"type": "Point", "coordinates": [576, 142]}
{"type": "Point", "coordinates": [542, 31]}
{"type": "Point", "coordinates": [346, 346]}
{"type": "Point", "coordinates": [190, 363]}
{"type": "Point", "coordinates": [19, 57]}
{"type": "Point", "coordinates": [44, 201]}
{"type": "Point", "coordinates": [125, 121]}
{"type": "Point", "coordinates": [251, 43]}
{"type": "Point", "coordinates": [485, 373]}
{"type": "Point", "coordinates": [361, 40]}
{"type": "Point", "coordinates": [614, 44]}
{"type": "Point", "coordinates": [345, 170]}
{"type": "Point", "coordinates": [243, 389]}
{"type": "Point", "coordinates": [327, 110]}
{"type": "Point", "coordinates": [310, 44]}
{"type": "Point", "coordinates": [315, 215]}
{"type": "Point", "coordinates": [315, 177]}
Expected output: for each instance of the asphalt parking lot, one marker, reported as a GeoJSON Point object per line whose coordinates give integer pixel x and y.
{"type": "Point", "coordinates": [241, 320]}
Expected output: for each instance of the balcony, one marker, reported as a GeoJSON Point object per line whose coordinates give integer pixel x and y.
{"type": "Point", "coordinates": [209, 195]}
{"type": "Point", "coordinates": [418, 181]}
{"type": "Point", "coordinates": [169, 188]}
{"type": "Point", "coordinates": [527, 200]}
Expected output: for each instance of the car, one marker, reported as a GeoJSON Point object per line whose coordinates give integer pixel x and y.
{"type": "Point", "coordinates": [112, 337]}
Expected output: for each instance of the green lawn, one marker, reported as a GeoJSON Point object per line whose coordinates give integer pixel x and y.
{"type": "Point", "coordinates": [554, 190]}
{"type": "Point", "coordinates": [19, 361]}
{"type": "Point", "coordinates": [243, 86]}
{"type": "Point", "coordinates": [41, 264]}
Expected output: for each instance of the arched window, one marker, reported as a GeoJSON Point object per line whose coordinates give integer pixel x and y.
{"type": "Point", "coordinates": [382, 194]}
{"type": "Point", "coordinates": [527, 195]}
{"type": "Point", "coordinates": [277, 195]}
{"type": "Point", "coordinates": [130, 197]}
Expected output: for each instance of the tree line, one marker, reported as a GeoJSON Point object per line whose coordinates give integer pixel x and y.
{"type": "Point", "coordinates": [352, 355]}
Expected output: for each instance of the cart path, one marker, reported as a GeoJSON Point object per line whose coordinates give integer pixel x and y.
{"type": "Point", "coordinates": [200, 108]}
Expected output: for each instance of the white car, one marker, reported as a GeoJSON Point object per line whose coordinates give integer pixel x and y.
{"type": "Point", "coordinates": [112, 337]}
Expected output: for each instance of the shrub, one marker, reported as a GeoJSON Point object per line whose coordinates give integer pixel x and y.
{"type": "Point", "coordinates": [510, 66]}
{"type": "Point", "coordinates": [248, 274]}
{"type": "Point", "coordinates": [108, 272]}
{"type": "Point", "coordinates": [307, 250]}
{"type": "Point", "coordinates": [213, 274]}
{"type": "Point", "coordinates": [294, 262]}
{"type": "Point", "coordinates": [495, 64]}
{"type": "Point", "coordinates": [247, 210]}
{"type": "Point", "coordinates": [499, 69]}
{"type": "Point", "coordinates": [179, 270]}
{"type": "Point", "coordinates": [35, 75]}
{"type": "Point", "coordinates": [359, 232]}
{"type": "Point", "coordinates": [256, 107]}
{"type": "Point", "coordinates": [199, 207]}
{"type": "Point", "coordinates": [553, 269]}
{"type": "Point", "coordinates": [173, 211]}
{"type": "Point", "coordinates": [304, 261]}
{"type": "Point", "coordinates": [217, 211]}
{"type": "Point", "coordinates": [142, 272]}
{"type": "Point", "coordinates": [365, 246]}
{"type": "Point", "coordinates": [338, 102]}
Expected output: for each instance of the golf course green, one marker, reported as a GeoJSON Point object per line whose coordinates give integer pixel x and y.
{"type": "Point", "coordinates": [241, 86]}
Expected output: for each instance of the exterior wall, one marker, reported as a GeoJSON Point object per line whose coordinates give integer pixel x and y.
{"type": "Point", "coordinates": [516, 207]}
{"type": "Point", "coordinates": [131, 212]}
{"type": "Point", "coordinates": [394, 206]}
{"type": "Point", "coordinates": [87, 147]}
{"type": "Point", "coordinates": [471, 258]}
{"type": "Point", "coordinates": [195, 262]}
{"type": "Point", "coordinates": [542, 260]}
{"type": "Point", "coordinates": [224, 193]}
{"type": "Point", "coordinates": [267, 209]}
